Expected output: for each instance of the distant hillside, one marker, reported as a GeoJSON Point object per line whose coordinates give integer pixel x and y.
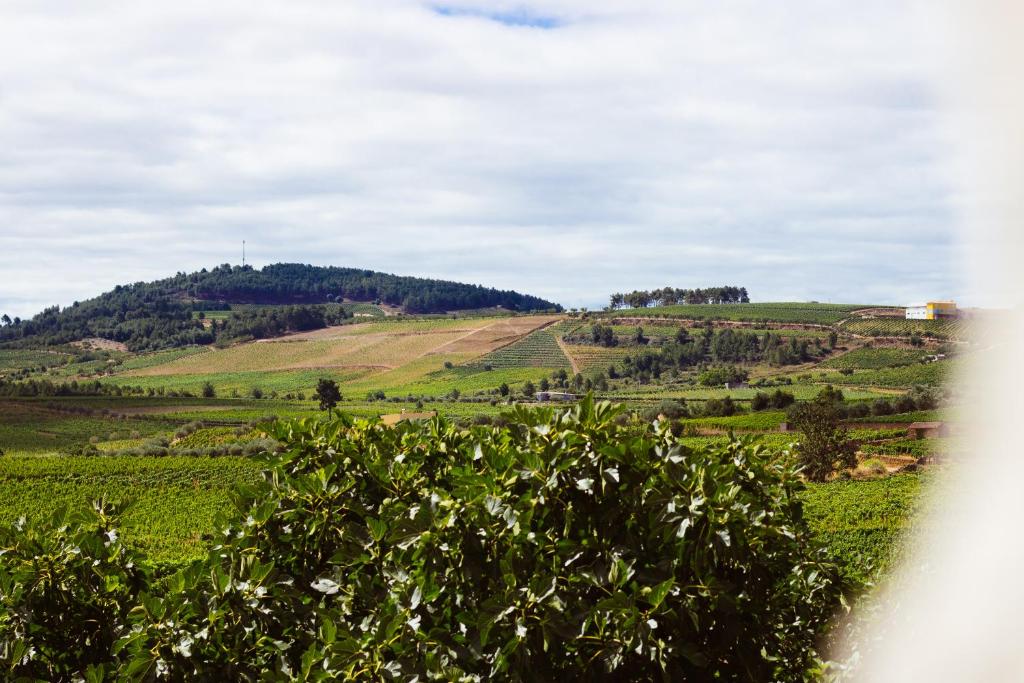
{"type": "Point", "coordinates": [151, 315]}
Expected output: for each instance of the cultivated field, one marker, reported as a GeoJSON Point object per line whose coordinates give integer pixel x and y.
{"type": "Point", "coordinates": [819, 314]}
{"type": "Point", "coordinates": [456, 367]}
{"type": "Point", "coordinates": [900, 327]}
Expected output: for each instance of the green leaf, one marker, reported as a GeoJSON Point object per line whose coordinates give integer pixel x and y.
{"type": "Point", "coordinates": [659, 592]}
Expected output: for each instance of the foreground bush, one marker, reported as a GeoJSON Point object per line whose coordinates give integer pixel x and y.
{"type": "Point", "coordinates": [557, 547]}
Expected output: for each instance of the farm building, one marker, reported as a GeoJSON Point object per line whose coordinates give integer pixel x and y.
{"type": "Point", "coordinates": [555, 396]}
{"type": "Point", "coordinates": [933, 310]}
{"type": "Point", "coordinates": [927, 430]}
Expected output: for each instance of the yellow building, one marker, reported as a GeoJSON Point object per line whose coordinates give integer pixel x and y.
{"type": "Point", "coordinates": [933, 310]}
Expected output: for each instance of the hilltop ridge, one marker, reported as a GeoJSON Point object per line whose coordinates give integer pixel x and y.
{"type": "Point", "coordinates": [160, 314]}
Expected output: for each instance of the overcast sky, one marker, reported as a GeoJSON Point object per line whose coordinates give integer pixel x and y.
{"type": "Point", "coordinates": [563, 148]}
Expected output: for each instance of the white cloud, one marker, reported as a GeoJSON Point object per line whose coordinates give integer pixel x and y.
{"type": "Point", "coordinates": [791, 148]}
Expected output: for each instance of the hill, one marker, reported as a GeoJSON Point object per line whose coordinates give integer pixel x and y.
{"type": "Point", "coordinates": [160, 314]}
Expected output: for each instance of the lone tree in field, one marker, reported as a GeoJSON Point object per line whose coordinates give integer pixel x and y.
{"type": "Point", "coordinates": [208, 390]}
{"type": "Point", "coordinates": [327, 393]}
{"type": "Point", "coordinates": [825, 446]}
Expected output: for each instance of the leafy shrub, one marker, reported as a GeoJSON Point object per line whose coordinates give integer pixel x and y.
{"type": "Point", "coordinates": [561, 546]}
{"type": "Point", "coordinates": [714, 407]}
{"type": "Point", "coordinates": [777, 400]}
{"type": "Point", "coordinates": [717, 375]}
{"type": "Point", "coordinates": [66, 591]}
{"type": "Point", "coordinates": [858, 410]}
{"type": "Point", "coordinates": [825, 446]}
{"type": "Point", "coordinates": [673, 410]}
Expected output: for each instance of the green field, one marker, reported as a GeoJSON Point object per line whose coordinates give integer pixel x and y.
{"type": "Point", "coordinates": [538, 349]}
{"type": "Point", "coordinates": [20, 359]}
{"type": "Point", "coordinates": [171, 501]}
{"type": "Point", "coordinates": [861, 522]}
{"type": "Point", "coordinates": [598, 357]}
{"type": "Point", "coordinates": [900, 327]}
{"type": "Point", "coordinates": [931, 374]}
{"type": "Point", "coordinates": [867, 358]}
{"type": "Point", "coordinates": [802, 391]}
{"type": "Point", "coordinates": [809, 313]}
{"type": "Point", "coordinates": [761, 421]}
{"type": "Point", "coordinates": [149, 360]}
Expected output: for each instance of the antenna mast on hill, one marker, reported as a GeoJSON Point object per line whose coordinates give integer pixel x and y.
{"type": "Point", "coordinates": [243, 253]}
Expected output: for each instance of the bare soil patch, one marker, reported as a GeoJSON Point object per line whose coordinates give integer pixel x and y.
{"type": "Point", "coordinates": [498, 334]}
{"type": "Point", "coordinates": [100, 344]}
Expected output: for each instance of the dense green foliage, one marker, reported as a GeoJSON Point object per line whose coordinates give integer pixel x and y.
{"type": "Point", "coordinates": [294, 282]}
{"type": "Point", "coordinates": [274, 321]}
{"type": "Point", "coordinates": [160, 314]}
{"type": "Point", "coordinates": [560, 547]}
{"type": "Point", "coordinates": [668, 296]}
{"type": "Point", "coordinates": [824, 445]}
{"type": "Point", "coordinates": [717, 347]}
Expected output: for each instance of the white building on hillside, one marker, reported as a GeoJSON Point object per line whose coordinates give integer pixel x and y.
{"type": "Point", "coordinates": [933, 310]}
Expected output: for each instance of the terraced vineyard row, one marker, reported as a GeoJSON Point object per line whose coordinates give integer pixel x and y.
{"type": "Point", "coordinates": [932, 374]}
{"type": "Point", "coordinates": [868, 358]}
{"type": "Point", "coordinates": [597, 357]}
{"type": "Point", "coordinates": [29, 358]}
{"type": "Point", "coordinates": [821, 314]}
{"type": "Point", "coordinates": [537, 349]}
{"type": "Point", "coordinates": [900, 327]}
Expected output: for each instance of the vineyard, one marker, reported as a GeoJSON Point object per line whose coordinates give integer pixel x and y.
{"type": "Point", "coordinates": [915, 447]}
{"type": "Point", "coordinates": [148, 360]}
{"type": "Point", "coordinates": [597, 357]}
{"type": "Point", "coordinates": [29, 358]}
{"type": "Point", "coordinates": [905, 418]}
{"type": "Point", "coordinates": [861, 522]}
{"type": "Point", "coordinates": [818, 314]}
{"type": "Point", "coordinates": [33, 428]}
{"type": "Point", "coordinates": [931, 374]}
{"type": "Point", "coordinates": [538, 349]}
{"type": "Point", "coordinates": [762, 421]}
{"type": "Point", "coordinates": [867, 358]}
{"type": "Point", "coordinates": [958, 329]}
{"type": "Point", "coordinates": [174, 500]}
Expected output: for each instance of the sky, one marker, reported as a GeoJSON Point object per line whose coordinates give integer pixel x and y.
{"type": "Point", "coordinates": [566, 149]}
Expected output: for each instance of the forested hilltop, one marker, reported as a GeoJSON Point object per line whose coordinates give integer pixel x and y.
{"type": "Point", "coordinates": [160, 314]}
